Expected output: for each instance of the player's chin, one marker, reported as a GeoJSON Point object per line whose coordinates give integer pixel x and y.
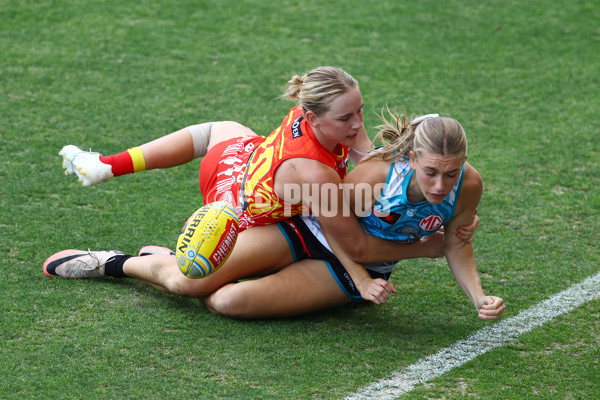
{"type": "Point", "coordinates": [351, 140]}
{"type": "Point", "coordinates": [435, 199]}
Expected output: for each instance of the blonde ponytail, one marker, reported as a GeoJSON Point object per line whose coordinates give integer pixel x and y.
{"type": "Point", "coordinates": [424, 134]}
{"type": "Point", "coordinates": [293, 87]}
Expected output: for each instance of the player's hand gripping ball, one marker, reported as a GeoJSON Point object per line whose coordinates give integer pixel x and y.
{"type": "Point", "coordinates": [207, 239]}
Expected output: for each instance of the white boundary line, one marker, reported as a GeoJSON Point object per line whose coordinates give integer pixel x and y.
{"type": "Point", "coordinates": [480, 342]}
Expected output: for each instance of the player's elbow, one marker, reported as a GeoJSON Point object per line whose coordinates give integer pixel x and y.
{"type": "Point", "coordinates": [358, 252]}
{"type": "Point", "coordinates": [355, 248]}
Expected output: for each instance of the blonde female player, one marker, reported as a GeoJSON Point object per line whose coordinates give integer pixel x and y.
{"type": "Point", "coordinates": [289, 290]}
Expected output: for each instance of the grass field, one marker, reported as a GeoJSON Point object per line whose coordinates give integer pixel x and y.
{"type": "Point", "coordinates": [522, 77]}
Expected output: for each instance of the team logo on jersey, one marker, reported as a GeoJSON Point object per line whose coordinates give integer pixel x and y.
{"type": "Point", "coordinates": [388, 217]}
{"type": "Point", "coordinates": [431, 222]}
{"type": "Point", "coordinates": [413, 233]}
{"type": "Point", "coordinates": [296, 132]}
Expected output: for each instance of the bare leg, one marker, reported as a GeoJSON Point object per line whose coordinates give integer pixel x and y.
{"type": "Point", "coordinates": [229, 130]}
{"type": "Point", "coordinates": [300, 288]}
{"type": "Point", "coordinates": [177, 148]}
{"type": "Point", "coordinates": [169, 151]}
{"type": "Point", "coordinates": [258, 251]}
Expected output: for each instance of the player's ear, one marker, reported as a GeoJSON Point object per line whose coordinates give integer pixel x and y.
{"type": "Point", "coordinates": [411, 156]}
{"type": "Point", "coordinates": [312, 118]}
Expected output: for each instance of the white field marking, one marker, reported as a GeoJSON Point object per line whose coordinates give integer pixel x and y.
{"type": "Point", "coordinates": [480, 342]}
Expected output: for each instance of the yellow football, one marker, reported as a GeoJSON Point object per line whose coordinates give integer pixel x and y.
{"type": "Point", "coordinates": [207, 239]}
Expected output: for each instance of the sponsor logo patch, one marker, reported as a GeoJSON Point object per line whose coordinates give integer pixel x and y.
{"type": "Point", "coordinates": [296, 132]}
{"type": "Point", "coordinates": [431, 222]}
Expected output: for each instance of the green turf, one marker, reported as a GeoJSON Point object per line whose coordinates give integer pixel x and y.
{"type": "Point", "coordinates": [522, 78]}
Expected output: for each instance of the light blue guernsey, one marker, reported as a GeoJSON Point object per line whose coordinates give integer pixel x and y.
{"type": "Point", "coordinates": [395, 218]}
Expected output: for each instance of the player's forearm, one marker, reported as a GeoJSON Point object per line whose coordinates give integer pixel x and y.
{"type": "Point", "coordinates": [382, 250]}
{"type": "Point", "coordinates": [357, 271]}
{"type": "Point", "coordinates": [362, 146]}
{"type": "Point", "coordinates": [464, 268]}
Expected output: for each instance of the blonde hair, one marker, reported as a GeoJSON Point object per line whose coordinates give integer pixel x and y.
{"type": "Point", "coordinates": [427, 134]}
{"type": "Point", "coordinates": [316, 89]}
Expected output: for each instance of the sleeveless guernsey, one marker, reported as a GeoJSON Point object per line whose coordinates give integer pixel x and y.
{"type": "Point", "coordinates": [396, 218]}
{"type": "Point", "coordinates": [241, 170]}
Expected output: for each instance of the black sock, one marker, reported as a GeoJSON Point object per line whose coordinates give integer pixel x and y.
{"type": "Point", "coordinates": [114, 266]}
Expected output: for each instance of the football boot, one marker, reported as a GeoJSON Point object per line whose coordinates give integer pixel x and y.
{"type": "Point", "coordinates": [86, 165]}
{"type": "Point", "coordinates": [78, 263]}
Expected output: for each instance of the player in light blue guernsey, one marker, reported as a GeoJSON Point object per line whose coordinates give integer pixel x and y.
{"type": "Point", "coordinates": [425, 183]}
{"type": "Point", "coordinates": [395, 217]}
{"type": "Point", "coordinates": [421, 182]}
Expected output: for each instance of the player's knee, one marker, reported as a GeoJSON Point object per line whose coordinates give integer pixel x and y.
{"type": "Point", "coordinates": [226, 130]}
{"type": "Point", "coordinates": [231, 128]}
{"type": "Point", "coordinates": [226, 302]}
{"type": "Point", "coordinates": [184, 286]}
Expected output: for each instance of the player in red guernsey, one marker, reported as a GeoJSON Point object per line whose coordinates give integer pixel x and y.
{"type": "Point", "coordinates": [329, 118]}
{"type": "Point", "coordinates": [243, 173]}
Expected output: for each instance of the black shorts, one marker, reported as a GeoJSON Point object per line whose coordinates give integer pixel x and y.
{"type": "Point", "coordinates": [304, 245]}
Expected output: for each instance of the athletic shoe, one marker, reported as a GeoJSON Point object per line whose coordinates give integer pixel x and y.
{"type": "Point", "coordinates": [151, 250]}
{"type": "Point", "coordinates": [78, 263]}
{"type": "Point", "coordinates": [86, 165]}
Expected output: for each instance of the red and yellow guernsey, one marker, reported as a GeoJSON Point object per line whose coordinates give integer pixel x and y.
{"type": "Point", "coordinates": [258, 202]}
